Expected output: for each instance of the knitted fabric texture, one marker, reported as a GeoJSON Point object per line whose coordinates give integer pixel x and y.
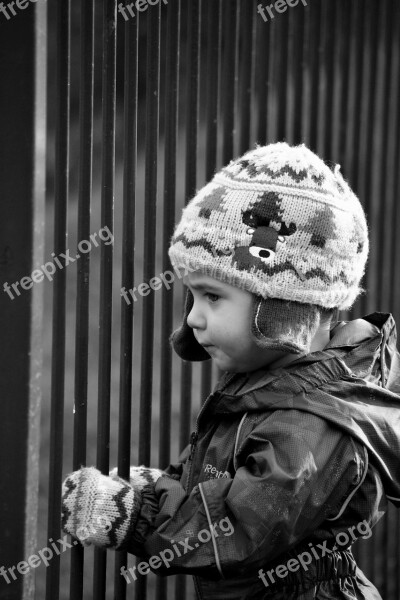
{"type": "Point", "coordinates": [279, 223]}
{"type": "Point", "coordinates": [102, 510]}
{"type": "Point", "coordinates": [284, 326]}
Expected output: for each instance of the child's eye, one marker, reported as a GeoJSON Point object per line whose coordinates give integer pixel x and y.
{"type": "Point", "coordinates": [212, 297]}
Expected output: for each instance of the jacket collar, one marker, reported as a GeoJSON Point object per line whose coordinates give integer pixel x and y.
{"type": "Point", "coordinates": [357, 347]}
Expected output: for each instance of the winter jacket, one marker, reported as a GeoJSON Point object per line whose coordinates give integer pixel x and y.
{"type": "Point", "coordinates": [287, 468]}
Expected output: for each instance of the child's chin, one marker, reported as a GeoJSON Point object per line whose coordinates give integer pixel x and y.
{"type": "Point", "coordinates": [225, 362]}
{"type": "Point", "coordinates": [227, 365]}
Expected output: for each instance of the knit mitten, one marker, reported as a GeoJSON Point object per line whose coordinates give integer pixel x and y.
{"type": "Point", "coordinates": [102, 510]}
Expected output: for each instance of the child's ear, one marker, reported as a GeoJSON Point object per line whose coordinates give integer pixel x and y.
{"type": "Point", "coordinates": [182, 339]}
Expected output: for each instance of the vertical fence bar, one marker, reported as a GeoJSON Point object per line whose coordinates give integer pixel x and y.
{"type": "Point", "coordinates": [170, 135]}
{"type": "Point", "coordinates": [272, 99]}
{"type": "Point", "coordinates": [229, 71]}
{"type": "Point", "coordinates": [281, 56]}
{"type": "Point", "coordinates": [152, 107]}
{"type": "Point", "coordinates": [372, 35]}
{"type": "Point", "coordinates": [341, 90]}
{"type": "Point", "coordinates": [368, 75]}
{"type": "Point", "coordinates": [354, 87]}
{"type": "Point", "coordinates": [296, 67]}
{"type": "Point", "coordinates": [22, 209]}
{"type": "Point", "coordinates": [245, 64]}
{"type": "Point", "coordinates": [192, 118]}
{"type": "Point", "coordinates": [336, 90]}
{"type": "Point", "coordinates": [106, 268]}
{"type": "Point", "coordinates": [386, 216]}
{"type": "Point", "coordinates": [82, 292]}
{"type": "Point", "coordinates": [374, 206]}
{"type": "Point", "coordinates": [128, 241]}
{"type": "Point", "coordinates": [313, 58]}
{"type": "Point", "coordinates": [261, 78]}
{"type": "Point", "coordinates": [342, 31]}
{"type": "Point", "coordinates": [150, 199]}
{"type": "Point", "coordinates": [212, 62]}
{"type": "Point", "coordinates": [128, 271]}
{"type": "Point", "coordinates": [367, 124]}
{"type": "Point", "coordinates": [354, 149]}
{"type": "Point", "coordinates": [290, 65]}
{"type": "Point", "coordinates": [59, 293]}
{"type": "Point", "coordinates": [344, 26]}
{"type": "Point", "coordinates": [328, 57]}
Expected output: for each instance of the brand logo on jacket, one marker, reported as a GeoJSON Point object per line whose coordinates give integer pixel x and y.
{"type": "Point", "coordinates": [214, 473]}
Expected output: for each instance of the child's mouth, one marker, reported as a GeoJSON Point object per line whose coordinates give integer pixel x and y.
{"type": "Point", "coordinates": [208, 347]}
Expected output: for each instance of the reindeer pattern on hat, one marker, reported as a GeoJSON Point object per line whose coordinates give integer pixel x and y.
{"type": "Point", "coordinates": [265, 237]}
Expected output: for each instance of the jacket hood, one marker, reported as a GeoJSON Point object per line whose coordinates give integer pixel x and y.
{"type": "Point", "coordinates": [354, 382]}
{"type": "Point", "coordinates": [374, 355]}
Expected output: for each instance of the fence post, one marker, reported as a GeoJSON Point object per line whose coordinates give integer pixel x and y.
{"type": "Point", "coordinates": [22, 185]}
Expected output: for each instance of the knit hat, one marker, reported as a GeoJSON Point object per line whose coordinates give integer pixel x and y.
{"type": "Point", "coordinates": [279, 223]}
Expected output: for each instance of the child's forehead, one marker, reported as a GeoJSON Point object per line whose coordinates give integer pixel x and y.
{"type": "Point", "coordinates": [198, 280]}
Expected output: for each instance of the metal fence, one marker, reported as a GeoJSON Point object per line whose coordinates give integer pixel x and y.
{"type": "Point", "coordinates": [145, 101]}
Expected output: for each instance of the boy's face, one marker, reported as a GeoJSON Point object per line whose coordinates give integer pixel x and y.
{"type": "Point", "coordinates": [221, 322]}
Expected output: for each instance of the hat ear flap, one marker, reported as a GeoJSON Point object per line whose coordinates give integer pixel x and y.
{"type": "Point", "coordinates": [182, 339]}
{"type": "Point", "coordinates": [286, 326]}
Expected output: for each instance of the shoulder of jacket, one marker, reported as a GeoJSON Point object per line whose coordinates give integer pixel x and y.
{"type": "Point", "coordinates": [256, 420]}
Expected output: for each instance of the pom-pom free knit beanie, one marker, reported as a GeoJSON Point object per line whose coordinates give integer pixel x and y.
{"type": "Point", "coordinates": [279, 223]}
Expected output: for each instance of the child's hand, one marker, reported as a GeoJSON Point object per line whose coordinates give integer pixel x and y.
{"type": "Point", "coordinates": [102, 510]}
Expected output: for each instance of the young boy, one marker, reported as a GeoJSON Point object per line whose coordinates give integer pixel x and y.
{"type": "Point", "coordinates": [297, 450]}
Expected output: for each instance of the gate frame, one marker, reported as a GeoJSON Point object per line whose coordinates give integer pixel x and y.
{"type": "Point", "coordinates": [23, 52]}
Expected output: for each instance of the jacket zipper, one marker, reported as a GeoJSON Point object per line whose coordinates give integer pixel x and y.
{"type": "Point", "coordinates": [195, 434]}
{"type": "Point", "coordinates": [193, 441]}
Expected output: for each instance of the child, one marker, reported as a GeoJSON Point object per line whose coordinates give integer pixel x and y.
{"type": "Point", "coordinates": [297, 450]}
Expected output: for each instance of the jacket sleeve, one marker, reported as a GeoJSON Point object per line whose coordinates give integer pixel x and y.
{"type": "Point", "coordinates": [294, 470]}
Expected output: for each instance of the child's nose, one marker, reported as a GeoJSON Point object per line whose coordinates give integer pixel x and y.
{"type": "Point", "coordinates": [195, 318]}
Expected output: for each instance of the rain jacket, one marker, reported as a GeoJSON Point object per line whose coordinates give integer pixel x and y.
{"type": "Point", "coordinates": [287, 467]}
